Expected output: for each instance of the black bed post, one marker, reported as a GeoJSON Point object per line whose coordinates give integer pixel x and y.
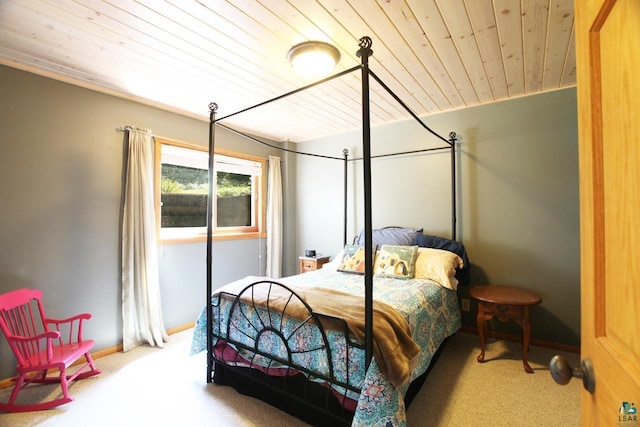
{"type": "Point", "coordinates": [345, 153]}
{"type": "Point", "coordinates": [213, 107]}
{"type": "Point", "coordinates": [452, 141]}
{"type": "Point", "coordinates": [364, 53]}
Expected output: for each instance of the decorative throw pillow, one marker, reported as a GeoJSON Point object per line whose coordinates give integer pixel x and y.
{"type": "Point", "coordinates": [438, 265]}
{"type": "Point", "coordinates": [353, 259]}
{"type": "Point", "coordinates": [396, 261]}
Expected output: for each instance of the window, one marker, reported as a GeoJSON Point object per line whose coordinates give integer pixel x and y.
{"type": "Point", "coordinates": [182, 190]}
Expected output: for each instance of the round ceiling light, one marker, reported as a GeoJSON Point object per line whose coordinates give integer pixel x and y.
{"type": "Point", "coordinates": [313, 59]}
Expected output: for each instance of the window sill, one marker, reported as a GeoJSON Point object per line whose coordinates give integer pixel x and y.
{"type": "Point", "coordinates": [172, 237]}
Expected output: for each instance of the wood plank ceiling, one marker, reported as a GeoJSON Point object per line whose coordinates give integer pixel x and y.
{"type": "Point", "coordinates": [435, 55]}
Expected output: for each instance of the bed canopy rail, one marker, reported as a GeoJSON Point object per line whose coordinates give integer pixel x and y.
{"type": "Point", "coordinates": [346, 160]}
{"type": "Point", "coordinates": [363, 53]}
{"type": "Point", "coordinates": [345, 156]}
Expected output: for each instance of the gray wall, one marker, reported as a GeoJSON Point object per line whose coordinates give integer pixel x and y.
{"type": "Point", "coordinates": [518, 212]}
{"type": "Point", "coordinates": [61, 174]}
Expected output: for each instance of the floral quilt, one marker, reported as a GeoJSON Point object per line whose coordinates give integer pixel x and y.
{"type": "Point", "coordinates": [430, 310]}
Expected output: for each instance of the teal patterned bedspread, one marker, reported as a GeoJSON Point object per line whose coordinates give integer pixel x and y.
{"type": "Point", "coordinates": [430, 310]}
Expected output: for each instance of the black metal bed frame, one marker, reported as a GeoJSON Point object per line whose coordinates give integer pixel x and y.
{"type": "Point", "coordinates": [304, 387]}
{"type": "Point", "coordinates": [270, 323]}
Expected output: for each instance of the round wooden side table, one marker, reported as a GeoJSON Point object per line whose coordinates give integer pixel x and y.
{"type": "Point", "coordinates": [505, 302]}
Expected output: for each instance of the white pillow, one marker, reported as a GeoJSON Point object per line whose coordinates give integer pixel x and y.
{"type": "Point", "coordinates": [334, 263]}
{"type": "Point", "coordinates": [438, 265]}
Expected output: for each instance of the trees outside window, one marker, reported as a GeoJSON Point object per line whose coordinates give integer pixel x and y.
{"type": "Point", "coordinates": [182, 190]}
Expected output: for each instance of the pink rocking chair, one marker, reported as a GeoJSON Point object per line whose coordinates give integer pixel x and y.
{"type": "Point", "coordinates": [41, 344]}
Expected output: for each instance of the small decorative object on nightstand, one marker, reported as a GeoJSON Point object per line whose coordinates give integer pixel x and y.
{"type": "Point", "coordinates": [312, 263]}
{"type": "Point", "coordinates": [505, 302]}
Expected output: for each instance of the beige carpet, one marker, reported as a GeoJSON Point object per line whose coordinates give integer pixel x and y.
{"type": "Point", "coordinates": [166, 387]}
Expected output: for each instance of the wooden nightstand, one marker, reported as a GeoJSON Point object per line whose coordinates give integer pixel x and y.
{"type": "Point", "coordinates": [312, 263]}
{"type": "Point", "coordinates": [506, 303]}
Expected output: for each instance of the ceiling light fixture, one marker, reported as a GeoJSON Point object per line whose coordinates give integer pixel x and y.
{"type": "Point", "coordinates": [313, 59]}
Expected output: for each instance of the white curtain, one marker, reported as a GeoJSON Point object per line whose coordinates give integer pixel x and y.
{"type": "Point", "coordinates": [141, 307]}
{"type": "Point", "coordinates": [274, 219]}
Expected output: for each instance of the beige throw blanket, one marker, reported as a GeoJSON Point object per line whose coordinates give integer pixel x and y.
{"type": "Point", "coordinates": [394, 349]}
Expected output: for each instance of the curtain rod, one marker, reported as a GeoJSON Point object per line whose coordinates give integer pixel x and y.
{"type": "Point", "coordinates": [127, 128]}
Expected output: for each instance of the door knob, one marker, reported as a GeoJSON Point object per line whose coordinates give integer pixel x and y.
{"type": "Point", "coordinates": [562, 372]}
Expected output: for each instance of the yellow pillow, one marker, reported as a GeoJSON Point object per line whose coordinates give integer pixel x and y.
{"type": "Point", "coordinates": [438, 265]}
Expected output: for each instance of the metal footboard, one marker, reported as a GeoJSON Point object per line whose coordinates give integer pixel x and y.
{"type": "Point", "coordinates": [273, 347]}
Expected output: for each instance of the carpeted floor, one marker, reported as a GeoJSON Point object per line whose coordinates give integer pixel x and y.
{"type": "Point", "coordinates": [167, 387]}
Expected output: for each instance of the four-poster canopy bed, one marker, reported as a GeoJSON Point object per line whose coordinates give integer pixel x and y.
{"type": "Point", "coordinates": [318, 344]}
